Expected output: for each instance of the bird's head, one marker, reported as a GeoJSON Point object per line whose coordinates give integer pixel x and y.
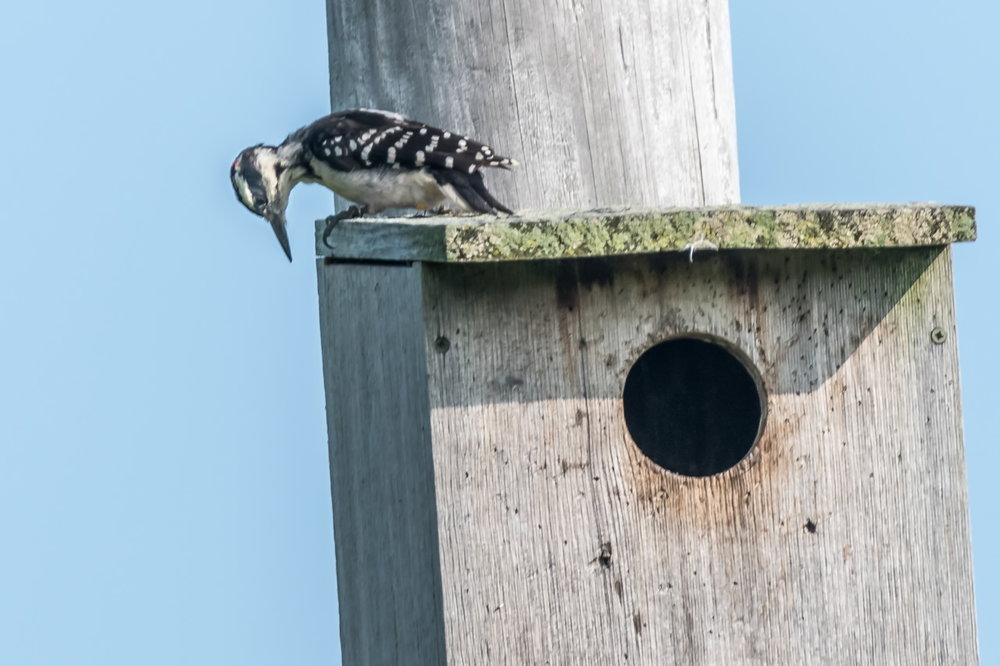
{"type": "Point", "coordinates": [256, 176]}
{"type": "Point", "coordinates": [249, 181]}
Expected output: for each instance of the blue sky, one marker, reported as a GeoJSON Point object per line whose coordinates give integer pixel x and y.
{"type": "Point", "coordinates": [164, 495]}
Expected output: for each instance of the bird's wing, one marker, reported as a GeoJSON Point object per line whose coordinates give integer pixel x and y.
{"type": "Point", "coordinates": [366, 138]}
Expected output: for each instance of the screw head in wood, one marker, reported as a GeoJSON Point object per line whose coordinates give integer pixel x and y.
{"type": "Point", "coordinates": [938, 335]}
{"type": "Point", "coordinates": [442, 344]}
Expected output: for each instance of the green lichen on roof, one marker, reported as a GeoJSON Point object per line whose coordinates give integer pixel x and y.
{"type": "Point", "coordinates": [618, 231]}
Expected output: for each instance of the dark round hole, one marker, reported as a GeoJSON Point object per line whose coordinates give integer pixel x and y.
{"type": "Point", "coordinates": [692, 406]}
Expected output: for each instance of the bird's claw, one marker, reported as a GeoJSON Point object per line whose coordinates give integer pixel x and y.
{"type": "Point", "coordinates": [700, 244]}
{"type": "Point", "coordinates": [333, 220]}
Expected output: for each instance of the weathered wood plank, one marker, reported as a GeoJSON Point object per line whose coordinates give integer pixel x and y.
{"type": "Point", "coordinates": [388, 575]}
{"type": "Point", "coordinates": [561, 543]}
{"type": "Point", "coordinates": [624, 231]}
{"type": "Point", "coordinates": [617, 103]}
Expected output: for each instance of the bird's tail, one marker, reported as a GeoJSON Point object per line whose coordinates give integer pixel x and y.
{"type": "Point", "coordinates": [471, 189]}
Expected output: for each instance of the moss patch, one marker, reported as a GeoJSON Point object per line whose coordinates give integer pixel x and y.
{"type": "Point", "coordinates": [621, 231]}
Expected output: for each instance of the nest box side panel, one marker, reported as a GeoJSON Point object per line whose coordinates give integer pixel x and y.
{"type": "Point", "coordinates": [841, 538]}
{"type": "Point", "coordinates": [381, 471]}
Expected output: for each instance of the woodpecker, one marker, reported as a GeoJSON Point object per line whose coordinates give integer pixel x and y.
{"type": "Point", "coordinates": [377, 159]}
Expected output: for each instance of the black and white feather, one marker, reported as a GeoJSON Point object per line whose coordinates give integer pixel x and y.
{"type": "Point", "coordinates": [377, 159]}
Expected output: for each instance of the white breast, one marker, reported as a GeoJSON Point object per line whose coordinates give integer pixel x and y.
{"type": "Point", "coordinates": [379, 189]}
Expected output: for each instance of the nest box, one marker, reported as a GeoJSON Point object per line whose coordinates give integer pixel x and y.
{"type": "Point", "coordinates": [559, 439]}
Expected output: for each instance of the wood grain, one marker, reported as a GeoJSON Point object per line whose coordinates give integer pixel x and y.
{"type": "Point", "coordinates": [603, 103]}
{"type": "Point", "coordinates": [843, 536]}
{"type": "Point", "coordinates": [388, 574]}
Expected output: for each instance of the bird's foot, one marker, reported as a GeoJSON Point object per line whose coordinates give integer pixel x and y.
{"type": "Point", "coordinates": [700, 244]}
{"type": "Point", "coordinates": [333, 220]}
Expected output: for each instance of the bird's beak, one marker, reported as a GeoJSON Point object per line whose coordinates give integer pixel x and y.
{"type": "Point", "coordinates": [277, 221]}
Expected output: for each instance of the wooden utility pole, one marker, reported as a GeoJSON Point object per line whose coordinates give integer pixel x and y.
{"type": "Point", "coordinates": [554, 439]}
{"type": "Point", "coordinates": [616, 103]}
